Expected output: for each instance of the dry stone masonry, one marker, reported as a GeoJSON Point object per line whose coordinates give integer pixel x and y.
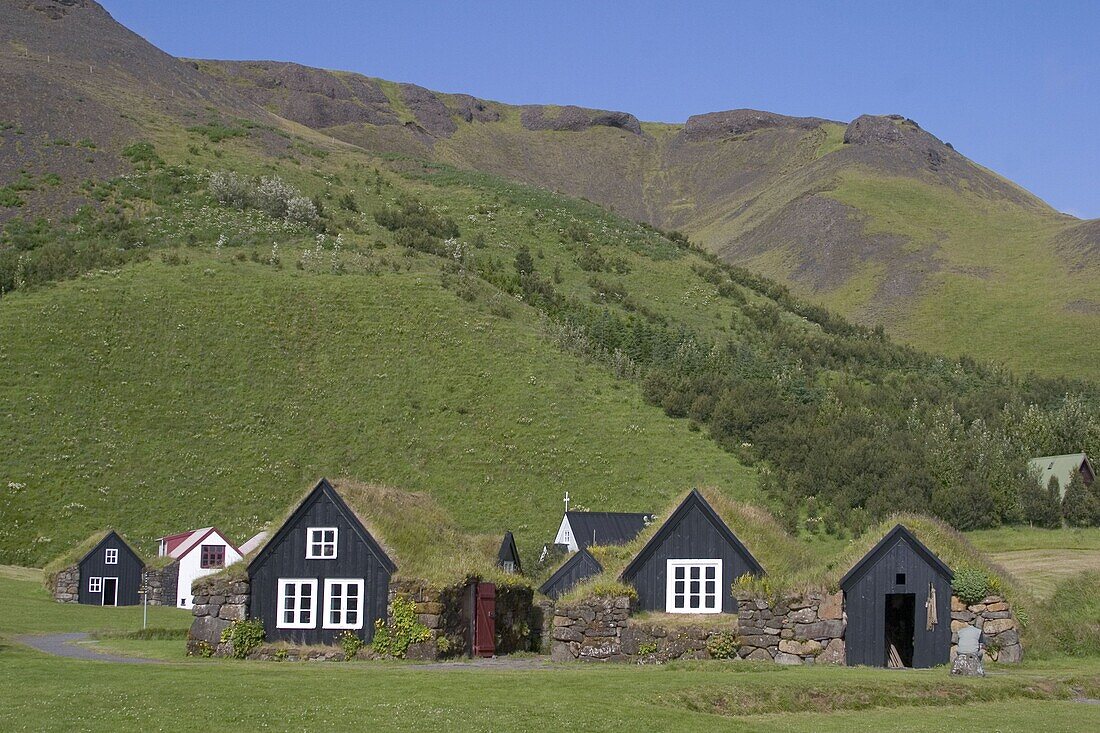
{"type": "Point", "coordinates": [65, 585]}
{"type": "Point", "coordinates": [218, 602]}
{"type": "Point", "coordinates": [803, 629]}
{"type": "Point", "coordinates": [994, 617]}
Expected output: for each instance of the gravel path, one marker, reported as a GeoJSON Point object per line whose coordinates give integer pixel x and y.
{"type": "Point", "coordinates": [68, 645]}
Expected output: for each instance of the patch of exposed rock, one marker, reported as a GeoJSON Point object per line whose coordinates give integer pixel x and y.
{"type": "Point", "coordinates": [898, 131]}
{"type": "Point", "coordinates": [472, 109]}
{"type": "Point", "coordinates": [577, 119]}
{"type": "Point", "coordinates": [717, 125]}
{"type": "Point", "coordinates": [430, 112]}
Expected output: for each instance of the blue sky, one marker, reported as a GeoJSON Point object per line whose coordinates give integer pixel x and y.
{"type": "Point", "coordinates": [1013, 85]}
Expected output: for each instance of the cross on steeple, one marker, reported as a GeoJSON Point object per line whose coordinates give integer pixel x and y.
{"type": "Point", "coordinates": [566, 501]}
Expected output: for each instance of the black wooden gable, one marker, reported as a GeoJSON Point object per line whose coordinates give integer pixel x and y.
{"type": "Point", "coordinates": [114, 540]}
{"type": "Point", "coordinates": [577, 568]}
{"type": "Point", "coordinates": [694, 531]}
{"type": "Point", "coordinates": [323, 491]}
{"type": "Point", "coordinates": [119, 582]}
{"type": "Point", "coordinates": [899, 533]}
{"type": "Point", "coordinates": [508, 553]}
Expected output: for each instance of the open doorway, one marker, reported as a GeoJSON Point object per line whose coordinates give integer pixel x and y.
{"type": "Point", "coordinates": [110, 591]}
{"type": "Point", "coordinates": [901, 616]}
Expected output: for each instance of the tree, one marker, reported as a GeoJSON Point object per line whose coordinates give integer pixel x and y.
{"type": "Point", "coordinates": [524, 264]}
{"type": "Point", "coordinates": [1080, 505]}
{"type": "Point", "coordinates": [1042, 505]}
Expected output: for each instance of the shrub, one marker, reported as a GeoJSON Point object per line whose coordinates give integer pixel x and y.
{"type": "Point", "coordinates": [301, 210]}
{"type": "Point", "coordinates": [350, 643]}
{"type": "Point", "coordinates": [404, 629]}
{"type": "Point", "coordinates": [1080, 505]}
{"type": "Point", "coordinates": [244, 636]}
{"type": "Point", "coordinates": [142, 154]}
{"type": "Point", "coordinates": [650, 647]}
{"type": "Point", "coordinates": [230, 189]}
{"type": "Point", "coordinates": [9, 198]}
{"type": "Point", "coordinates": [970, 585]}
{"type": "Point", "coordinates": [723, 645]}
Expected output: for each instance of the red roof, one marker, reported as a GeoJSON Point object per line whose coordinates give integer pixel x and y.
{"type": "Point", "coordinates": [172, 541]}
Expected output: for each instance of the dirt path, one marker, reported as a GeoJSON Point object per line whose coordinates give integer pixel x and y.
{"type": "Point", "coordinates": [72, 646]}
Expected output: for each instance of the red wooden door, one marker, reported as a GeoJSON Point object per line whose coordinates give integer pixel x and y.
{"type": "Point", "coordinates": [485, 620]}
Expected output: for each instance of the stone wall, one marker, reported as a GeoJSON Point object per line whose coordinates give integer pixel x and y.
{"type": "Point", "coordinates": [800, 629]}
{"type": "Point", "coordinates": [218, 601]}
{"type": "Point", "coordinates": [590, 630]}
{"type": "Point", "coordinates": [516, 624]}
{"type": "Point", "coordinates": [542, 626]}
{"type": "Point", "coordinates": [64, 586]}
{"type": "Point", "coordinates": [161, 583]}
{"type": "Point", "coordinates": [437, 608]}
{"type": "Point", "coordinates": [994, 617]}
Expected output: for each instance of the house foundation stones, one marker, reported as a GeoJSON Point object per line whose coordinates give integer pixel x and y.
{"type": "Point", "coordinates": [1000, 628]}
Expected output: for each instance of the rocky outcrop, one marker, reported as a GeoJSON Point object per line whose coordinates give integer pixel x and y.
{"type": "Point", "coordinates": [1000, 627]}
{"type": "Point", "coordinates": [64, 585]}
{"type": "Point", "coordinates": [802, 629]}
{"type": "Point", "coordinates": [218, 602]}
{"type": "Point", "coordinates": [717, 125]}
{"type": "Point", "coordinates": [429, 110]}
{"type": "Point", "coordinates": [577, 119]}
{"type": "Point", "coordinates": [472, 109]}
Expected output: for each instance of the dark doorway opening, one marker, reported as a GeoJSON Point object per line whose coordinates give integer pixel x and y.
{"type": "Point", "coordinates": [110, 591]}
{"type": "Point", "coordinates": [901, 616]}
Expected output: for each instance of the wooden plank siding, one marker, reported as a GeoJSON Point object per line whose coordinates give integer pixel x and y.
{"type": "Point", "coordinates": [357, 556]}
{"type": "Point", "coordinates": [693, 532]}
{"type": "Point", "coordinates": [128, 570]}
{"type": "Point", "coordinates": [865, 596]}
{"type": "Point", "coordinates": [577, 568]}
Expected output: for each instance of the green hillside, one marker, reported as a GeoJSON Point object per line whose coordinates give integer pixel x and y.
{"type": "Point", "coordinates": [876, 219]}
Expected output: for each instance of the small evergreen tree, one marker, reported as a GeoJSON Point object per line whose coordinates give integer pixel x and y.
{"type": "Point", "coordinates": [1042, 505]}
{"type": "Point", "coordinates": [1080, 505]}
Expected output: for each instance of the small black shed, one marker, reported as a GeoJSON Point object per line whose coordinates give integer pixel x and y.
{"type": "Point", "coordinates": [898, 597]}
{"type": "Point", "coordinates": [111, 573]}
{"type": "Point", "coordinates": [690, 564]}
{"type": "Point", "coordinates": [508, 555]}
{"type": "Point", "coordinates": [320, 574]}
{"type": "Point", "coordinates": [580, 566]}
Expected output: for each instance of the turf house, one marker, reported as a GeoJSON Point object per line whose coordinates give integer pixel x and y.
{"type": "Point", "coordinates": [101, 571]}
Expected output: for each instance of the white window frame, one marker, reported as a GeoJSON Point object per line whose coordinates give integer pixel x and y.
{"type": "Point", "coordinates": [670, 586]}
{"type": "Point", "coordinates": [110, 556]}
{"type": "Point", "coordinates": [342, 624]}
{"type": "Point", "coordinates": [310, 542]}
{"type": "Point", "coordinates": [95, 585]}
{"type": "Point", "coordinates": [310, 583]}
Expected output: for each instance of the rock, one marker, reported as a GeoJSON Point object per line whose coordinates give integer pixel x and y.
{"type": "Point", "coordinates": [957, 605]}
{"type": "Point", "coordinates": [567, 633]}
{"type": "Point", "coordinates": [759, 655]}
{"type": "Point", "coordinates": [804, 616]}
{"type": "Point", "coordinates": [422, 651]}
{"type": "Point", "coordinates": [232, 613]}
{"type": "Point", "coordinates": [429, 111]}
{"type": "Point", "coordinates": [958, 625]}
{"type": "Point", "coordinates": [832, 607]}
{"type": "Point", "coordinates": [207, 629]}
{"type": "Point", "coordinates": [432, 621]}
{"type": "Point", "coordinates": [1008, 638]}
{"type": "Point", "coordinates": [998, 625]}
{"type": "Point", "coordinates": [790, 647]}
{"type": "Point", "coordinates": [784, 658]}
{"type": "Point", "coordinates": [968, 665]}
{"type": "Point", "coordinates": [962, 616]}
{"type": "Point", "coordinates": [1010, 654]}
{"type": "Point", "coordinates": [563, 621]}
{"type": "Point", "coordinates": [997, 606]}
{"type": "Point", "coordinates": [996, 614]}
{"type": "Point", "coordinates": [562, 652]}
{"type": "Point", "coordinates": [829, 629]}
{"type": "Point", "coordinates": [834, 652]}
{"type": "Point", "coordinates": [716, 125]}
{"type": "Point", "coordinates": [762, 640]}
{"type": "Point", "coordinates": [577, 119]}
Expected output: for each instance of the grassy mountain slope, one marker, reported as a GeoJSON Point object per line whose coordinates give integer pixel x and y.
{"type": "Point", "coordinates": [877, 219]}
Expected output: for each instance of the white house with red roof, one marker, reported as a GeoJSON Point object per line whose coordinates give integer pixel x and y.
{"type": "Point", "coordinates": [198, 552]}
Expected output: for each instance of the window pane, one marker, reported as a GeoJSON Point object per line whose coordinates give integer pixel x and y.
{"type": "Point", "coordinates": [305, 617]}
{"type": "Point", "coordinates": [679, 586]}
{"type": "Point", "coordinates": [678, 601]}
{"type": "Point", "coordinates": [695, 587]}
{"type": "Point", "coordinates": [694, 601]}
{"type": "Point", "coordinates": [710, 587]}
{"type": "Point", "coordinates": [353, 618]}
{"type": "Point", "coordinates": [694, 572]}
{"type": "Point", "coordinates": [679, 572]}
{"type": "Point", "coordinates": [710, 572]}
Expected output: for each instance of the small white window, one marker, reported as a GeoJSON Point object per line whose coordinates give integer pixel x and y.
{"type": "Point", "coordinates": [297, 603]}
{"type": "Point", "coordinates": [321, 543]}
{"type": "Point", "coordinates": [694, 586]}
{"type": "Point", "coordinates": [344, 603]}
{"type": "Point", "coordinates": [95, 585]}
{"type": "Point", "coordinates": [111, 558]}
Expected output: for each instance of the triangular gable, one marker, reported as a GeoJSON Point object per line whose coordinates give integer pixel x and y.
{"type": "Point", "coordinates": [196, 539]}
{"type": "Point", "coordinates": [324, 489]}
{"type": "Point", "coordinates": [694, 500]}
{"type": "Point", "coordinates": [508, 551]}
{"type": "Point", "coordinates": [121, 539]}
{"type": "Point", "coordinates": [898, 533]}
{"type": "Point", "coordinates": [579, 557]}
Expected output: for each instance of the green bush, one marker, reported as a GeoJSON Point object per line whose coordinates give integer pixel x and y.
{"type": "Point", "coordinates": [650, 647]}
{"type": "Point", "coordinates": [9, 198]}
{"type": "Point", "coordinates": [970, 584]}
{"type": "Point", "coordinates": [404, 629]}
{"type": "Point", "coordinates": [350, 643]}
{"type": "Point", "coordinates": [244, 635]}
{"type": "Point", "coordinates": [142, 154]}
{"type": "Point", "coordinates": [723, 645]}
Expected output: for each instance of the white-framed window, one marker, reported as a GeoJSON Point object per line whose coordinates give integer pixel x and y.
{"type": "Point", "coordinates": [111, 556]}
{"type": "Point", "coordinates": [344, 603]}
{"type": "Point", "coordinates": [321, 543]}
{"type": "Point", "coordinates": [95, 585]}
{"type": "Point", "coordinates": [297, 603]}
{"type": "Point", "coordinates": [694, 586]}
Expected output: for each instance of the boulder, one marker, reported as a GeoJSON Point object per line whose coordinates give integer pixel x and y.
{"type": "Point", "coordinates": [207, 629]}
{"type": "Point", "coordinates": [832, 607]}
{"type": "Point", "coordinates": [1010, 654]}
{"type": "Point", "coordinates": [834, 652]}
{"type": "Point", "coordinates": [563, 652]}
{"type": "Point", "coordinates": [759, 655]}
{"type": "Point", "coordinates": [998, 625]}
{"type": "Point", "coordinates": [784, 658]}
{"type": "Point", "coordinates": [829, 629]}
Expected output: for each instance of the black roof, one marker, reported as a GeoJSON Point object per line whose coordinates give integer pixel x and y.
{"type": "Point", "coordinates": [508, 551]}
{"type": "Point", "coordinates": [329, 491]}
{"type": "Point", "coordinates": [605, 528]}
{"type": "Point", "coordinates": [898, 533]}
{"type": "Point", "coordinates": [582, 562]}
{"type": "Point", "coordinates": [693, 500]}
{"type": "Point", "coordinates": [111, 533]}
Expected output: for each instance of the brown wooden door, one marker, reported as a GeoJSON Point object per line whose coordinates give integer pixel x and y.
{"type": "Point", "coordinates": [485, 620]}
